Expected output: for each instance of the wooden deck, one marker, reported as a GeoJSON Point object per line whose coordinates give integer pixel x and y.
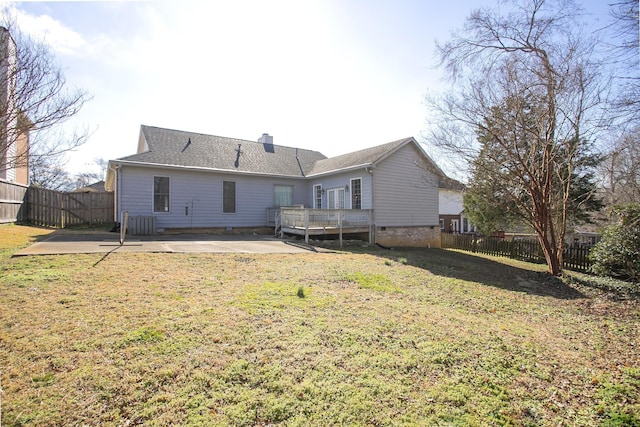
{"type": "Point", "coordinates": [315, 222]}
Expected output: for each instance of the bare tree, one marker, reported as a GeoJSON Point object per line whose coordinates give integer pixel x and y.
{"type": "Point", "coordinates": [34, 100]}
{"type": "Point", "coordinates": [624, 56]}
{"type": "Point", "coordinates": [620, 170]}
{"type": "Point", "coordinates": [92, 173]}
{"type": "Point", "coordinates": [50, 173]}
{"type": "Point", "coordinates": [520, 111]}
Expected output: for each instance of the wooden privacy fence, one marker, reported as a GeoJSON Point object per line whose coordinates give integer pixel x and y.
{"type": "Point", "coordinates": [11, 201]}
{"type": "Point", "coordinates": [51, 208]}
{"type": "Point", "coordinates": [525, 250]}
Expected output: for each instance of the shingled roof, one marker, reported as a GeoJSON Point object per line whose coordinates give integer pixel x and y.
{"type": "Point", "coordinates": [167, 147]}
{"type": "Point", "coordinates": [447, 183]}
{"type": "Point", "coordinates": [360, 158]}
{"type": "Point", "coordinates": [174, 148]}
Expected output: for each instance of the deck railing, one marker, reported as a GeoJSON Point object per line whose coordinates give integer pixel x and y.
{"type": "Point", "coordinates": [324, 221]}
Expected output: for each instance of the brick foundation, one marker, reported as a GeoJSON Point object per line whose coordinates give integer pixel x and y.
{"type": "Point", "coordinates": [422, 236]}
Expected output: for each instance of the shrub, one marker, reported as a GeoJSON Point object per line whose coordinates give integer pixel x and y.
{"type": "Point", "coordinates": [618, 253]}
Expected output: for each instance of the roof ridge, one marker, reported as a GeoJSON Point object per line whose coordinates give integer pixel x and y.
{"type": "Point", "coordinates": [226, 137]}
{"type": "Point", "coordinates": [397, 141]}
{"type": "Point", "coordinates": [359, 158]}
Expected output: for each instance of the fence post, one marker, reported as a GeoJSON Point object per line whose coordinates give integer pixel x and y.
{"type": "Point", "coordinates": [90, 209]}
{"type": "Point", "coordinates": [306, 226]}
{"type": "Point", "coordinates": [281, 222]}
{"type": "Point", "coordinates": [60, 213]}
{"type": "Point", "coordinates": [123, 226]}
{"type": "Point", "coordinates": [340, 213]}
{"type": "Point", "coordinates": [370, 225]}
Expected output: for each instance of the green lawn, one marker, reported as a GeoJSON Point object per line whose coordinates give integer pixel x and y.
{"type": "Point", "coordinates": [361, 337]}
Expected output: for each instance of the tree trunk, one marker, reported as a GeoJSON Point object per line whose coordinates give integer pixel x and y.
{"type": "Point", "coordinates": [551, 255]}
{"type": "Point", "coordinates": [549, 242]}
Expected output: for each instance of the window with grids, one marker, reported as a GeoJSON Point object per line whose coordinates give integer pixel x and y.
{"type": "Point", "coordinates": [228, 197]}
{"type": "Point", "coordinates": [282, 195]}
{"type": "Point", "coordinates": [356, 193]}
{"type": "Point", "coordinates": [335, 198]}
{"type": "Point", "coordinates": [317, 196]}
{"type": "Point", "coordinates": [161, 194]}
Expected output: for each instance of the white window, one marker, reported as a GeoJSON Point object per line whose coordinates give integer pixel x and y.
{"type": "Point", "coordinates": [317, 196]}
{"type": "Point", "coordinates": [335, 198]}
{"type": "Point", "coordinates": [161, 194]}
{"type": "Point", "coordinates": [282, 195]}
{"type": "Point", "coordinates": [356, 193]}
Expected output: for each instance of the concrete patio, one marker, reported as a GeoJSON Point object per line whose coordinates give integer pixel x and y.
{"type": "Point", "coordinates": [102, 242]}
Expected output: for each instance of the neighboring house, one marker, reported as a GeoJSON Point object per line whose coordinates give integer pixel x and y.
{"type": "Point", "coordinates": [14, 126]}
{"type": "Point", "coordinates": [585, 236]}
{"type": "Point", "coordinates": [191, 180]}
{"type": "Point", "coordinates": [14, 163]}
{"type": "Point", "coordinates": [452, 219]}
{"type": "Point", "coordinates": [21, 163]}
{"type": "Point", "coordinates": [96, 187]}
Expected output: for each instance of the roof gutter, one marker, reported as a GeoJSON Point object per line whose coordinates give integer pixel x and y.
{"type": "Point", "coordinates": [119, 163]}
{"type": "Point", "coordinates": [333, 171]}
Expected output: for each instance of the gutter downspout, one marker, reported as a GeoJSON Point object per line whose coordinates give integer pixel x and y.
{"type": "Point", "coordinates": [116, 192]}
{"type": "Point", "coordinates": [373, 212]}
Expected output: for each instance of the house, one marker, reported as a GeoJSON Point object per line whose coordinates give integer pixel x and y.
{"type": "Point", "coordinates": [14, 125]}
{"type": "Point", "coordinates": [185, 180]}
{"type": "Point", "coordinates": [585, 236]}
{"type": "Point", "coordinates": [96, 187]}
{"type": "Point", "coordinates": [14, 163]}
{"type": "Point", "coordinates": [452, 218]}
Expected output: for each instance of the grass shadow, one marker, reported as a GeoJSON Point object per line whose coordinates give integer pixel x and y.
{"type": "Point", "coordinates": [106, 255]}
{"type": "Point", "coordinates": [478, 269]}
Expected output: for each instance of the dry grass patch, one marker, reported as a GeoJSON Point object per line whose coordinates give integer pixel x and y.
{"type": "Point", "coordinates": [425, 337]}
{"type": "Point", "coordinates": [18, 236]}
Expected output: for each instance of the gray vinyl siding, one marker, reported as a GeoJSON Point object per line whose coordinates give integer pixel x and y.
{"type": "Point", "coordinates": [339, 180]}
{"type": "Point", "coordinates": [201, 194]}
{"type": "Point", "coordinates": [405, 194]}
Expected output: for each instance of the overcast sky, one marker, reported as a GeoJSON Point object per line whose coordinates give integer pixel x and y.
{"type": "Point", "coordinates": [328, 75]}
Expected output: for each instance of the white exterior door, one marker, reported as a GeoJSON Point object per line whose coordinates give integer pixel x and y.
{"type": "Point", "coordinates": [335, 198]}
